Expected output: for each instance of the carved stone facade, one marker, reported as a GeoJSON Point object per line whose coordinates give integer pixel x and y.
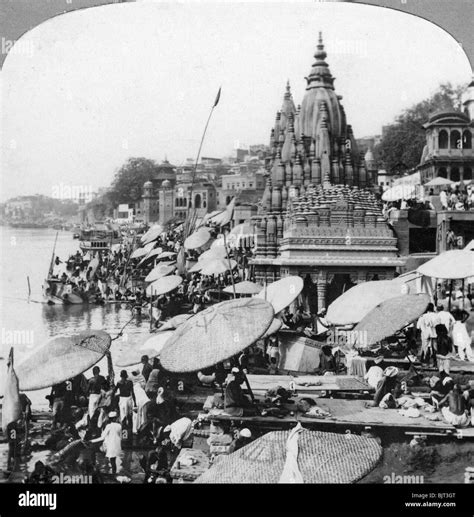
{"type": "Point", "coordinates": [319, 218]}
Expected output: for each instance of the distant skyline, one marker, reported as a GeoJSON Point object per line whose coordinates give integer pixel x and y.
{"type": "Point", "coordinates": [87, 90]}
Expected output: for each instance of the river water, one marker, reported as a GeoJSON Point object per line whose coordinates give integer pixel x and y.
{"type": "Point", "coordinates": [26, 325]}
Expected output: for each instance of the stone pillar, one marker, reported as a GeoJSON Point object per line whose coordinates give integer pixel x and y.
{"type": "Point", "coordinates": [321, 287]}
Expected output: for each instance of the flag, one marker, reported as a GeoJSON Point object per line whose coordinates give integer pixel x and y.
{"type": "Point", "coordinates": [11, 410]}
{"type": "Point", "coordinates": [216, 102]}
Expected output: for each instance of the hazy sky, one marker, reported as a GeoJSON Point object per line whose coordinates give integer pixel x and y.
{"type": "Point", "coordinates": [86, 90]}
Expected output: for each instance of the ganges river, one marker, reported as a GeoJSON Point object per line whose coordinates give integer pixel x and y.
{"type": "Point", "coordinates": [26, 325]}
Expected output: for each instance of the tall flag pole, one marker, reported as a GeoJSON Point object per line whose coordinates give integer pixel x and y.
{"type": "Point", "coordinates": [190, 195]}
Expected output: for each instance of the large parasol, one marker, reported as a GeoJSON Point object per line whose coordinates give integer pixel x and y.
{"type": "Point", "coordinates": [152, 234]}
{"type": "Point", "coordinates": [166, 255]}
{"type": "Point", "coordinates": [318, 457]}
{"type": "Point", "coordinates": [217, 333]}
{"type": "Point", "coordinates": [213, 253]}
{"type": "Point", "coordinates": [157, 341]}
{"type": "Point", "coordinates": [438, 182]}
{"type": "Point", "coordinates": [282, 292]}
{"type": "Point", "coordinates": [142, 252]}
{"type": "Point", "coordinates": [62, 358]}
{"type": "Point", "coordinates": [358, 301]}
{"type": "Point", "coordinates": [151, 254]}
{"type": "Point", "coordinates": [175, 321]}
{"type": "Point", "coordinates": [399, 192]}
{"type": "Point", "coordinates": [275, 326]}
{"type": "Point", "coordinates": [245, 287]}
{"type": "Point", "coordinates": [450, 265]}
{"type": "Point", "coordinates": [164, 285]}
{"type": "Point", "coordinates": [225, 217]}
{"type": "Point", "coordinates": [159, 271]}
{"type": "Point", "coordinates": [388, 317]}
{"type": "Point", "coordinates": [217, 266]}
{"type": "Point", "coordinates": [197, 239]}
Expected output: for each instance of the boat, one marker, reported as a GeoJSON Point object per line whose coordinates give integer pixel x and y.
{"type": "Point", "coordinates": [28, 224]}
{"type": "Point", "coordinates": [99, 237]}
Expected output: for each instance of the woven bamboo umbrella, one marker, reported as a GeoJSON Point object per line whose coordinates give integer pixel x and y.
{"type": "Point", "coordinates": [141, 252]}
{"type": "Point", "coordinates": [166, 254]}
{"type": "Point", "coordinates": [358, 301]}
{"type": "Point", "coordinates": [245, 287]}
{"type": "Point", "coordinates": [157, 341]}
{"type": "Point", "coordinates": [275, 326]}
{"type": "Point", "coordinates": [217, 333]}
{"type": "Point", "coordinates": [195, 268]}
{"type": "Point", "coordinates": [152, 254]}
{"type": "Point", "coordinates": [62, 358]}
{"type": "Point", "coordinates": [175, 321]}
{"type": "Point", "coordinates": [388, 317]}
{"type": "Point", "coordinates": [152, 234]}
{"type": "Point", "coordinates": [217, 266]}
{"type": "Point", "coordinates": [283, 292]}
{"type": "Point", "coordinates": [164, 285]}
{"type": "Point", "coordinates": [197, 239]}
{"type": "Point", "coordinates": [450, 265]}
{"type": "Point", "coordinates": [322, 457]}
{"type": "Point", "coordinates": [159, 272]}
{"type": "Point", "coordinates": [213, 253]}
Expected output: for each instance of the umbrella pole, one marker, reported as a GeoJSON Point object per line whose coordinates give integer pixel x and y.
{"type": "Point", "coordinates": [228, 259]}
{"type": "Point", "coordinates": [247, 383]}
{"type": "Point", "coordinates": [151, 311]}
{"type": "Point", "coordinates": [450, 295]}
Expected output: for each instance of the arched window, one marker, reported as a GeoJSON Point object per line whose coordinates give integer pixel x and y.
{"type": "Point", "coordinates": [442, 172]}
{"type": "Point", "coordinates": [443, 139]}
{"type": "Point", "coordinates": [455, 139]}
{"type": "Point", "coordinates": [467, 173]}
{"type": "Point", "coordinates": [197, 200]}
{"type": "Point", "coordinates": [204, 204]}
{"type": "Point", "coordinates": [467, 139]}
{"type": "Point", "coordinates": [176, 202]}
{"type": "Point", "coordinates": [455, 174]}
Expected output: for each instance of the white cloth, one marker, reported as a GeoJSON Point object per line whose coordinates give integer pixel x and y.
{"type": "Point", "coordinates": [141, 399]}
{"type": "Point", "coordinates": [451, 418]}
{"type": "Point", "coordinates": [462, 341]}
{"type": "Point", "coordinates": [125, 407]}
{"type": "Point", "coordinates": [445, 318]}
{"type": "Point", "coordinates": [374, 376]}
{"type": "Point", "coordinates": [291, 472]}
{"type": "Point", "coordinates": [181, 430]}
{"type": "Point", "coordinates": [112, 436]}
{"type": "Point", "coordinates": [94, 400]}
{"type": "Point", "coordinates": [427, 323]}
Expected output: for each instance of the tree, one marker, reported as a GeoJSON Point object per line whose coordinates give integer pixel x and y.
{"type": "Point", "coordinates": [127, 185]}
{"type": "Point", "coordinates": [402, 142]}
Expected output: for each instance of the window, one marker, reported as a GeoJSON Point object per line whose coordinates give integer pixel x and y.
{"type": "Point", "coordinates": [467, 173]}
{"type": "Point", "coordinates": [455, 174]}
{"type": "Point", "coordinates": [197, 201]}
{"type": "Point", "coordinates": [443, 139]}
{"type": "Point", "coordinates": [422, 240]}
{"type": "Point", "coordinates": [455, 140]}
{"type": "Point", "coordinates": [442, 172]}
{"type": "Point", "coordinates": [467, 139]}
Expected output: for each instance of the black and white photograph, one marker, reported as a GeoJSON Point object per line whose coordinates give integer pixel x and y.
{"type": "Point", "coordinates": [237, 248]}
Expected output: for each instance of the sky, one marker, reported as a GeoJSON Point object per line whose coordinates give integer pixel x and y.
{"type": "Point", "coordinates": [84, 91]}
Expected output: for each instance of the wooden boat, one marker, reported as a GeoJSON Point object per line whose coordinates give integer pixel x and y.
{"type": "Point", "coordinates": [100, 237]}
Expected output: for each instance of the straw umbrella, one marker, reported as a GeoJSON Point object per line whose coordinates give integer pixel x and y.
{"type": "Point", "coordinates": [321, 457]}
{"type": "Point", "coordinates": [141, 252]}
{"type": "Point", "coordinates": [388, 317]}
{"type": "Point", "coordinates": [450, 265]}
{"type": "Point", "coordinates": [152, 234]}
{"type": "Point", "coordinates": [217, 333]}
{"type": "Point", "coordinates": [275, 326]}
{"type": "Point", "coordinates": [151, 254]}
{"type": "Point", "coordinates": [245, 287]}
{"type": "Point", "coordinates": [166, 254]}
{"type": "Point", "coordinates": [164, 285]}
{"type": "Point", "coordinates": [157, 341]}
{"type": "Point", "coordinates": [213, 253]}
{"type": "Point", "coordinates": [283, 292]}
{"type": "Point", "coordinates": [356, 302]}
{"type": "Point", "coordinates": [217, 266]}
{"type": "Point", "coordinates": [159, 272]}
{"type": "Point", "coordinates": [175, 321]}
{"type": "Point", "coordinates": [197, 239]}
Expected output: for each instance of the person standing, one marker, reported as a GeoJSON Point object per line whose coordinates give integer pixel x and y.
{"type": "Point", "coordinates": [445, 318]}
{"type": "Point", "coordinates": [112, 438]}
{"type": "Point", "coordinates": [95, 387]}
{"type": "Point", "coordinates": [146, 370]}
{"type": "Point", "coordinates": [427, 325]}
{"type": "Point", "coordinates": [461, 337]}
{"type": "Point", "coordinates": [126, 398]}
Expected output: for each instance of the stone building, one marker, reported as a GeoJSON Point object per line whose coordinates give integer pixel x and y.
{"type": "Point", "coordinates": [319, 217]}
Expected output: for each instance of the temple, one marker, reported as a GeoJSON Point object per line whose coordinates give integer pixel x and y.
{"type": "Point", "coordinates": [319, 217]}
